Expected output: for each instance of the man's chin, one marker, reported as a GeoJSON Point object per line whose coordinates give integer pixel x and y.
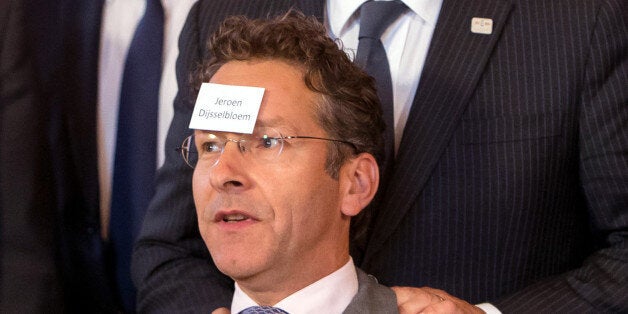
{"type": "Point", "coordinates": [237, 269]}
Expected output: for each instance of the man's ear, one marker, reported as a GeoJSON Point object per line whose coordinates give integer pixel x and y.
{"type": "Point", "coordinates": [359, 179]}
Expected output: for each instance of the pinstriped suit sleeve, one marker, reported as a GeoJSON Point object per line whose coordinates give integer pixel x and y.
{"type": "Point", "coordinates": [513, 190]}
{"type": "Point", "coordinates": [601, 283]}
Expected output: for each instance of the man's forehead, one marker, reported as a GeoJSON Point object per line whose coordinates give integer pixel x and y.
{"type": "Point", "coordinates": [287, 102]}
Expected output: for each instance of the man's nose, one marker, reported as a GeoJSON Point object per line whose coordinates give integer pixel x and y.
{"type": "Point", "coordinates": [228, 174]}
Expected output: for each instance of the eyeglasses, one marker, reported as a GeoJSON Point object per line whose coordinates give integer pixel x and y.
{"type": "Point", "coordinates": [206, 148]}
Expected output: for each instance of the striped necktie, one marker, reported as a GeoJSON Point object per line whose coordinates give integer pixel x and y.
{"type": "Point", "coordinates": [263, 310]}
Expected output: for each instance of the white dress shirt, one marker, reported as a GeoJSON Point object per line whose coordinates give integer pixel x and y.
{"type": "Point", "coordinates": [119, 20]}
{"type": "Point", "coordinates": [331, 294]}
{"type": "Point", "coordinates": [406, 42]}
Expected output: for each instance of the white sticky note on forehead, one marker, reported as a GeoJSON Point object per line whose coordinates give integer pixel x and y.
{"type": "Point", "coordinates": [226, 108]}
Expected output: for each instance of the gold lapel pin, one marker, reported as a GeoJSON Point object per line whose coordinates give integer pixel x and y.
{"type": "Point", "coordinates": [481, 25]}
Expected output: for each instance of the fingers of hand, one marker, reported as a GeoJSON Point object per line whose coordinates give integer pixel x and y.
{"type": "Point", "coordinates": [415, 300]}
{"type": "Point", "coordinates": [429, 300]}
{"type": "Point", "coordinates": [440, 294]}
{"type": "Point", "coordinates": [221, 310]}
{"type": "Point", "coordinates": [446, 306]}
{"type": "Point", "coordinates": [452, 304]}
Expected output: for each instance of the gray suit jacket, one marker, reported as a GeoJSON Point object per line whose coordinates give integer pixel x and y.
{"type": "Point", "coordinates": [372, 297]}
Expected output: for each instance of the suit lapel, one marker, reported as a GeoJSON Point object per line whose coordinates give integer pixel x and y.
{"type": "Point", "coordinates": [452, 69]}
{"type": "Point", "coordinates": [371, 297]}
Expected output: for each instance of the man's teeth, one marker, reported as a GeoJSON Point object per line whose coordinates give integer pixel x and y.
{"type": "Point", "coordinates": [234, 218]}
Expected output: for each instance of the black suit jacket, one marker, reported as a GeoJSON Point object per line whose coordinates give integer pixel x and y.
{"type": "Point", "coordinates": [29, 274]}
{"type": "Point", "coordinates": [65, 37]}
{"type": "Point", "coordinates": [521, 192]}
{"type": "Point", "coordinates": [510, 182]}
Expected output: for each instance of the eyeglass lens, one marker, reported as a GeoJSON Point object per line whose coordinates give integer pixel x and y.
{"type": "Point", "coordinates": [205, 149]}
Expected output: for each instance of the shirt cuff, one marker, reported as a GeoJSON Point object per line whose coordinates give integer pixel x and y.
{"type": "Point", "coordinates": [488, 308]}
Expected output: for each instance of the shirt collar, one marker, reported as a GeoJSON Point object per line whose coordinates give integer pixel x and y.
{"type": "Point", "coordinates": [315, 298]}
{"type": "Point", "coordinates": [340, 12]}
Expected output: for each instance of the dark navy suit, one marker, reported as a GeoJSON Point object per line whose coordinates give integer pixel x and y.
{"type": "Point", "coordinates": [66, 37]}
{"type": "Point", "coordinates": [29, 273]}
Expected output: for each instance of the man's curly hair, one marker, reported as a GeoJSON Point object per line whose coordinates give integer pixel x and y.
{"type": "Point", "coordinates": [349, 108]}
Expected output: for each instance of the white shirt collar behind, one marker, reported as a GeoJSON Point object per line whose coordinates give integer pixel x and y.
{"type": "Point", "coordinates": [119, 21]}
{"type": "Point", "coordinates": [331, 294]}
{"type": "Point", "coordinates": [342, 13]}
{"type": "Point", "coordinates": [406, 42]}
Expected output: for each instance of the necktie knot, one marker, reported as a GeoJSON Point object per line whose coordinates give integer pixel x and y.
{"type": "Point", "coordinates": [376, 16]}
{"type": "Point", "coordinates": [263, 310]}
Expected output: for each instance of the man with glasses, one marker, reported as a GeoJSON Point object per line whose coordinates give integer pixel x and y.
{"type": "Point", "coordinates": [505, 183]}
{"type": "Point", "coordinates": [274, 207]}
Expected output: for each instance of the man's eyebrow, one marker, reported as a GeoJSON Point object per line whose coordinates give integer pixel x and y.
{"type": "Point", "coordinates": [274, 122]}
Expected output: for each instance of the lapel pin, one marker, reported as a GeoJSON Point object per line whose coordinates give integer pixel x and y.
{"type": "Point", "coordinates": [481, 25]}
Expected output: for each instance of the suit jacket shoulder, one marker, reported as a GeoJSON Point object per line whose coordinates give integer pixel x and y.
{"type": "Point", "coordinates": [372, 297]}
